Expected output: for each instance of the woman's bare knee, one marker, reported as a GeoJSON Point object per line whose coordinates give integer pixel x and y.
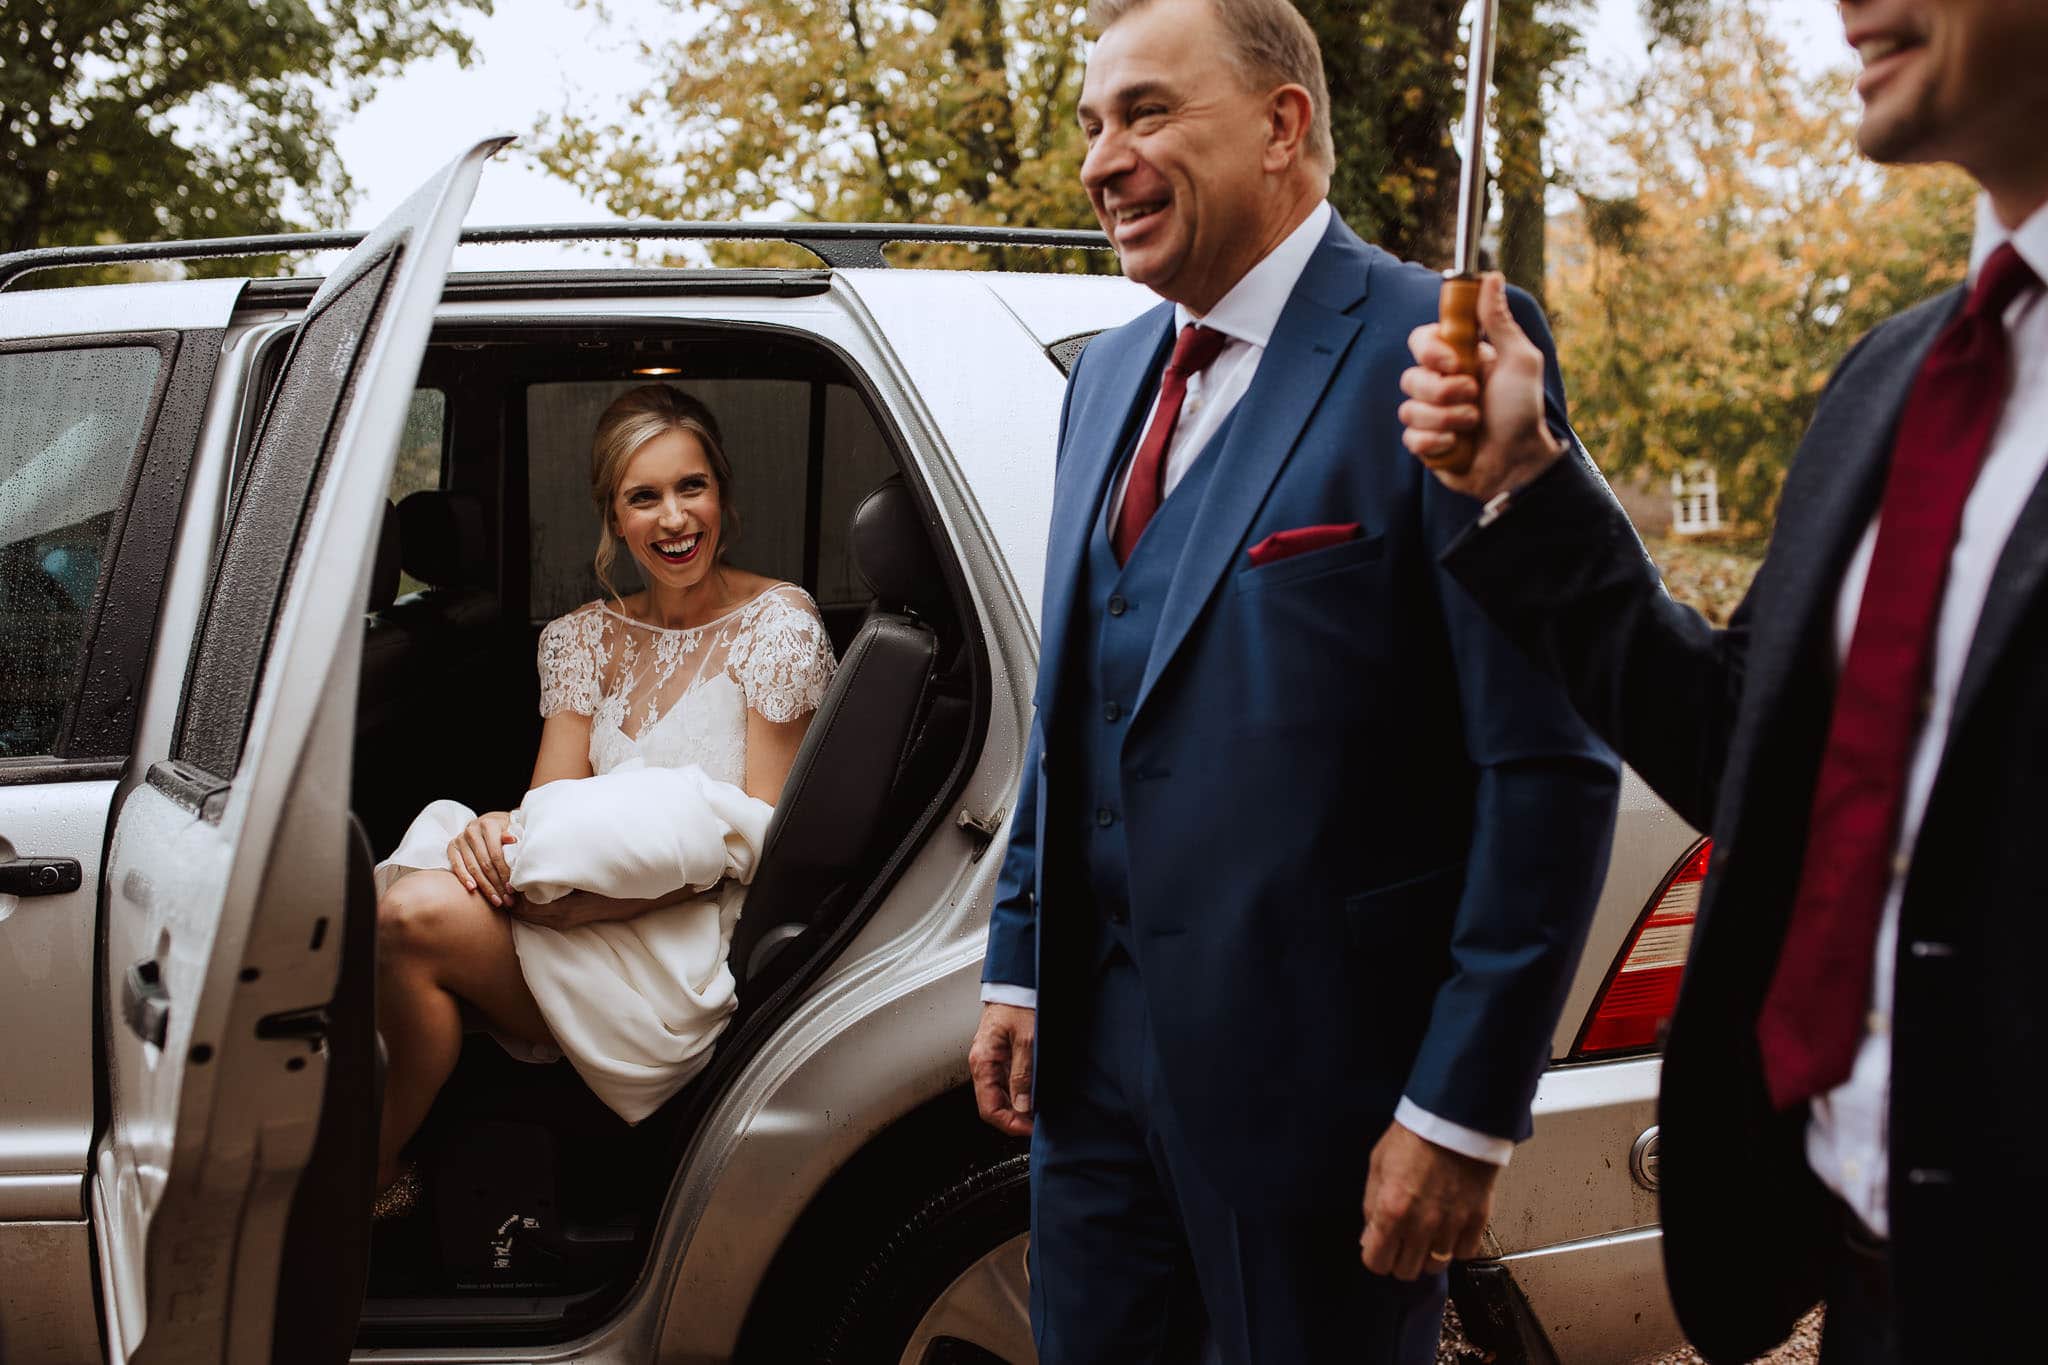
{"type": "Point", "coordinates": [420, 915]}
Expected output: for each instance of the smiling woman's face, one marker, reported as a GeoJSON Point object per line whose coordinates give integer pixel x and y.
{"type": "Point", "coordinates": [666, 509]}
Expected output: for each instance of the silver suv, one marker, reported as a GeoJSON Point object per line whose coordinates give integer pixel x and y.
{"type": "Point", "coordinates": [257, 536]}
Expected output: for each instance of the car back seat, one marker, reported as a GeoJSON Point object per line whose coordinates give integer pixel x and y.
{"type": "Point", "coordinates": [449, 700]}
{"type": "Point", "coordinates": [885, 727]}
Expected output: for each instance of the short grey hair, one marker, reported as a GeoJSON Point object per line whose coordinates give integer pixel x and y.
{"type": "Point", "coordinates": [1270, 44]}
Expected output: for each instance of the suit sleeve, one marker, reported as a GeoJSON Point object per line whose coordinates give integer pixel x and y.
{"type": "Point", "coordinates": [1012, 956]}
{"type": "Point", "coordinates": [1563, 575]}
{"type": "Point", "coordinates": [1543, 816]}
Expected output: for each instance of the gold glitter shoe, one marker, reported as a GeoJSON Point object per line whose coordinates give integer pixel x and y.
{"type": "Point", "coordinates": [399, 1199]}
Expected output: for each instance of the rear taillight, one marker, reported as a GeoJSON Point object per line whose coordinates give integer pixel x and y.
{"type": "Point", "coordinates": [1642, 990]}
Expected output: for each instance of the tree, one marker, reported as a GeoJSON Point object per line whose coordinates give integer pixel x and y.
{"type": "Point", "coordinates": [1535, 48]}
{"type": "Point", "coordinates": [124, 121]}
{"type": "Point", "coordinates": [1396, 95]}
{"type": "Point", "coordinates": [962, 111]}
{"type": "Point", "coordinates": [1737, 249]}
{"type": "Point", "coordinates": [935, 111]}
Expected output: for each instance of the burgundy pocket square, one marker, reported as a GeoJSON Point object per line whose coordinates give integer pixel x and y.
{"type": "Point", "coordinates": [1287, 544]}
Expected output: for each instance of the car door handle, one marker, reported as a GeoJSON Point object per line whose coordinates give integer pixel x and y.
{"type": "Point", "coordinates": [145, 1004]}
{"type": "Point", "coordinates": [38, 876]}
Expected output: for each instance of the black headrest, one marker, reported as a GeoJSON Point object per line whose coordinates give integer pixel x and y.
{"type": "Point", "coordinates": [892, 548]}
{"type": "Point", "coordinates": [384, 570]}
{"type": "Point", "coordinates": [442, 535]}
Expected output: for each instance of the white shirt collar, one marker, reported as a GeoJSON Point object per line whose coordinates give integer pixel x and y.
{"type": "Point", "coordinates": [2030, 239]}
{"type": "Point", "coordinates": [1251, 310]}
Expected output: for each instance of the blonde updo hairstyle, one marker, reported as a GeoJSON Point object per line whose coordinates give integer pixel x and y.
{"type": "Point", "coordinates": [634, 418]}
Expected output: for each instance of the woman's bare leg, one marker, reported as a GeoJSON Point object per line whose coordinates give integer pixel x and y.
{"type": "Point", "coordinates": [438, 944]}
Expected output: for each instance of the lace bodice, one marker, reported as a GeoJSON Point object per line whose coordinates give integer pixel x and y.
{"type": "Point", "coordinates": [675, 697]}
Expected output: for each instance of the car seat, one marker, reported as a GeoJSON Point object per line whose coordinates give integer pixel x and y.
{"type": "Point", "coordinates": [885, 724]}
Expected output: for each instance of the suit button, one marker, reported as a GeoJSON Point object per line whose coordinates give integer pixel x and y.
{"type": "Point", "coordinates": [1117, 605]}
{"type": "Point", "coordinates": [1112, 713]}
{"type": "Point", "coordinates": [1104, 816]}
{"type": "Point", "coordinates": [1119, 915]}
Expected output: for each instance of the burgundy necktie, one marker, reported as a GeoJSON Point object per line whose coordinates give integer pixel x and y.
{"type": "Point", "coordinates": [1192, 351]}
{"type": "Point", "coordinates": [1813, 1017]}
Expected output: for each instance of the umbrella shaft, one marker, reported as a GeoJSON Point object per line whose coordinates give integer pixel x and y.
{"type": "Point", "coordinates": [1472, 176]}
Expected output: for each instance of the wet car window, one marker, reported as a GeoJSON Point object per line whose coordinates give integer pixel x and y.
{"type": "Point", "coordinates": [422, 456]}
{"type": "Point", "coordinates": [69, 424]}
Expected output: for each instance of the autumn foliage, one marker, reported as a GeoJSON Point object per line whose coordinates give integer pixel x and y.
{"type": "Point", "coordinates": [1739, 249]}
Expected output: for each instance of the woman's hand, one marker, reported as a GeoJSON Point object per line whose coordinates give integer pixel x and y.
{"type": "Point", "coordinates": [477, 856]}
{"type": "Point", "coordinates": [587, 907]}
{"type": "Point", "coordinates": [1504, 405]}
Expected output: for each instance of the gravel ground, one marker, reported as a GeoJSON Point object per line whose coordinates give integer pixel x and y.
{"type": "Point", "coordinates": [1801, 1348]}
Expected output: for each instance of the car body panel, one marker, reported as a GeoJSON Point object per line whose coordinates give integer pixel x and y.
{"type": "Point", "coordinates": [87, 310]}
{"type": "Point", "coordinates": [46, 946]}
{"type": "Point", "coordinates": [1055, 307]}
{"type": "Point", "coordinates": [1600, 1301]}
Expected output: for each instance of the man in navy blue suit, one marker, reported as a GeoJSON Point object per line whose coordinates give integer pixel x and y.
{"type": "Point", "coordinates": [1304, 853]}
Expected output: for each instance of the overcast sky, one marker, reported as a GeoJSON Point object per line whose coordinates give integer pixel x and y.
{"type": "Point", "coordinates": [537, 57]}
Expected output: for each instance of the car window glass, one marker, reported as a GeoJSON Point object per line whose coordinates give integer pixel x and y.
{"type": "Point", "coordinates": [421, 456]}
{"type": "Point", "coordinates": [856, 459]}
{"type": "Point", "coordinates": [70, 421]}
{"type": "Point", "coordinates": [279, 481]}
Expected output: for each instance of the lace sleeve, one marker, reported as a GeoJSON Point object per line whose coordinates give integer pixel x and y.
{"type": "Point", "coordinates": [783, 659]}
{"type": "Point", "coordinates": [570, 661]}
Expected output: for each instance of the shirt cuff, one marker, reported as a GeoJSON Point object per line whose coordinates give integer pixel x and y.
{"type": "Point", "coordinates": [1454, 1136]}
{"type": "Point", "coordinates": [996, 993]}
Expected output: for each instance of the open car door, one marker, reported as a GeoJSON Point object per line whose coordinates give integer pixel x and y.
{"type": "Point", "coordinates": [232, 1173]}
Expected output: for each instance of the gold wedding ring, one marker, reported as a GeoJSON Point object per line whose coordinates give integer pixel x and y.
{"type": "Point", "coordinates": [1439, 1256]}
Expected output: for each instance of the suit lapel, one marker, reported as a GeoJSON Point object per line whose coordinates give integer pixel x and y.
{"type": "Point", "coordinates": [1102, 421]}
{"type": "Point", "coordinates": [1307, 346]}
{"type": "Point", "coordinates": [1824, 519]}
{"type": "Point", "coordinates": [2015, 582]}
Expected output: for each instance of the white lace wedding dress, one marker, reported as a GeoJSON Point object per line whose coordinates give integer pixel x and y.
{"type": "Point", "coordinates": [636, 1004]}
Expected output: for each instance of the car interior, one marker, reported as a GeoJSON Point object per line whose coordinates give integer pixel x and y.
{"type": "Point", "coordinates": [539, 1203]}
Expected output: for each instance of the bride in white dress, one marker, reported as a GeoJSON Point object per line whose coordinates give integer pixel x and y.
{"type": "Point", "coordinates": [709, 665]}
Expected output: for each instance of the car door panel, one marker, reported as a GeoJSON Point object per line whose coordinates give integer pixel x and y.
{"type": "Point", "coordinates": [229, 870]}
{"type": "Point", "coordinates": [98, 424]}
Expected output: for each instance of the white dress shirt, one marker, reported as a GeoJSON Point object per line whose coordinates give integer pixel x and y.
{"type": "Point", "coordinates": [1847, 1143]}
{"type": "Point", "coordinates": [1247, 315]}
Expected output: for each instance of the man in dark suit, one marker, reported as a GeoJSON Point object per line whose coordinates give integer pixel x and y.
{"type": "Point", "coordinates": [1304, 852]}
{"type": "Point", "coordinates": [1853, 1099]}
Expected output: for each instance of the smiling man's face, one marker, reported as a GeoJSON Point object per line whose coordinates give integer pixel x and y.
{"type": "Point", "coordinates": [1949, 80]}
{"type": "Point", "coordinates": [1180, 153]}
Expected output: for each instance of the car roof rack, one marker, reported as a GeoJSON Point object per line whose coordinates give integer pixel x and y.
{"type": "Point", "coordinates": [841, 246]}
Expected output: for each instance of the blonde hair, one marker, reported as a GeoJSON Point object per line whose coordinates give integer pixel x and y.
{"type": "Point", "coordinates": [634, 418]}
{"type": "Point", "coordinates": [1270, 43]}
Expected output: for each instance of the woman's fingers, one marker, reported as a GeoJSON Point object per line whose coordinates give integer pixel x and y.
{"type": "Point", "coordinates": [498, 859]}
{"type": "Point", "coordinates": [459, 864]}
{"type": "Point", "coordinates": [482, 854]}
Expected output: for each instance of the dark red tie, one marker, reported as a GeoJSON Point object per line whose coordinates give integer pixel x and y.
{"type": "Point", "coordinates": [1192, 351]}
{"type": "Point", "coordinates": [1813, 1017]}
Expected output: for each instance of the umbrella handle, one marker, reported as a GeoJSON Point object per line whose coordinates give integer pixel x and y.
{"type": "Point", "coordinates": [1458, 323]}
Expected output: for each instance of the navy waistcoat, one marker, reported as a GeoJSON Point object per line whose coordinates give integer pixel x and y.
{"type": "Point", "coordinates": [1112, 646]}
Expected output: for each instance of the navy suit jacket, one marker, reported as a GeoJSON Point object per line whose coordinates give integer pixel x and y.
{"type": "Point", "coordinates": [1366, 836]}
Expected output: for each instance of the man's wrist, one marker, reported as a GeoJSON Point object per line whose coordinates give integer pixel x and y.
{"type": "Point", "coordinates": [1453, 1137]}
{"type": "Point", "coordinates": [1003, 993]}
